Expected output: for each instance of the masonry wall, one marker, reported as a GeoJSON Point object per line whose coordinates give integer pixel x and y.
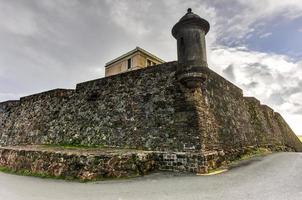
{"type": "Point", "coordinates": [243, 121]}
{"type": "Point", "coordinates": [142, 109]}
{"type": "Point", "coordinates": [31, 119]}
{"type": "Point", "coordinates": [147, 109]}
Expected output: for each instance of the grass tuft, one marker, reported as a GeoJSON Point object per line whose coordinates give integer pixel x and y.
{"type": "Point", "coordinates": [75, 146]}
{"type": "Point", "coordinates": [254, 153]}
{"type": "Point", "coordinates": [242, 158]}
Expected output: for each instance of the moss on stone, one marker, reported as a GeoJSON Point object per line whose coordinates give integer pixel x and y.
{"type": "Point", "coordinates": [254, 153]}
{"type": "Point", "coordinates": [248, 155]}
{"type": "Point", "coordinates": [75, 146]}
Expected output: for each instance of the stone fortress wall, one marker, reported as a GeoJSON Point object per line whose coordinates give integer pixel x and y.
{"type": "Point", "coordinates": [146, 109]}
{"type": "Point", "coordinates": [182, 115]}
{"type": "Point", "coordinates": [143, 109]}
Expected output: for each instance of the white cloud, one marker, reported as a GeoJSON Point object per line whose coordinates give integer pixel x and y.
{"type": "Point", "coordinates": [274, 79]}
{"type": "Point", "coordinates": [265, 35]}
{"type": "Point", "coordinates": [122, 13]}
{"type": "Point", "coordinates": [294, 122]}
{"type": "Point", "coordinates": [10, 96]}
{"type": "Point", "coordinates": [17, 20]}
{"type": "Point", "coordinates": [237, 20]}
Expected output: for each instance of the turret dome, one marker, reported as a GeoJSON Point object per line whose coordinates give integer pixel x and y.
{"type": "Point", "coordinates": [191, 19]}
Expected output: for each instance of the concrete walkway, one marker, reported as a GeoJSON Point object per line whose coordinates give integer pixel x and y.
{"type": "Point", "coordinates": [276, 177]}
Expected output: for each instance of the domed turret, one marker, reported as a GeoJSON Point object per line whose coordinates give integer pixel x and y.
{"type": "Point", "coordinates": [190, 33]}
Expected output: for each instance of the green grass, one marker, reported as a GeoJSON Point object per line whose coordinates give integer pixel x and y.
{"type": "Point", "coordinates": [75, 146]}
{"type": "Point", "coordinates": [254, 153]}
{"type": "Point", "coordinates": [244, 157]}
{"type": "Point", "coordinates": [85, 147]}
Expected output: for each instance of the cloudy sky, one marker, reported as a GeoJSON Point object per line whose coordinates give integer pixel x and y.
{"type": "Point", "coordinates": [256, 44]}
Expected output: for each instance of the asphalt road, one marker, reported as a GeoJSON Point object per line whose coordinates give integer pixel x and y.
{"type": "Point", "coordinates": [275, 177]}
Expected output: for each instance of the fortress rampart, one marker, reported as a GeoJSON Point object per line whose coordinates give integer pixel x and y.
{"type": "Point", "coordinates": [145, 109]}
{"type": "Point", "coordinates": [183, 116]}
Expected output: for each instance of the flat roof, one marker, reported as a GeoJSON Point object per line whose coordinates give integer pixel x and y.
{"type": "Point", "coordinates": [137, 49]}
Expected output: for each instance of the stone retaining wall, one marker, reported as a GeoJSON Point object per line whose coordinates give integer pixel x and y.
{"type": "Point", "coordinates": [72, 165]}
{"type": "Point", "coordinates": [96, 164]}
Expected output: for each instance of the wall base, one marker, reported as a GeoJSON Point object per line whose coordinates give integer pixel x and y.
{"type": "Point", "coordinates": [102, 163]}
{"type": "Point", "coordinates": [95, 163]}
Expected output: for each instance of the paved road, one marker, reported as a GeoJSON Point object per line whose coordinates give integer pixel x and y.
{"type": "Point", "coordinates": [275, 177]}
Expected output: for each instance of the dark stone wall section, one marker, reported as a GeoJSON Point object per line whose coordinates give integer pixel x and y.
{"type": "Point", "coordinates": [31, 119]}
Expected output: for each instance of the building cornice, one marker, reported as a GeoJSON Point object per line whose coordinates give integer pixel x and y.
{"type": "Point", "coordinates": [137, 49]}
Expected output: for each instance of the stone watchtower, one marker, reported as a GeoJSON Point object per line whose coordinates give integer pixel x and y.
{"type": "Point", "coordinates": [190, 33]}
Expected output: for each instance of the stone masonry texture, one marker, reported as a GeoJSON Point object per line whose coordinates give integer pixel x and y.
{"type": "Point", "coordinates": [148, 110]}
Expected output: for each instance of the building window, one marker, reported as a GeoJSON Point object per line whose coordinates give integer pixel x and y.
{"type": "Point", "coordinates": [129, 63]}
{"type": "Point", "coordinates": [182, 46]}
{"type": "Point", "coordinates": [150, 63]}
